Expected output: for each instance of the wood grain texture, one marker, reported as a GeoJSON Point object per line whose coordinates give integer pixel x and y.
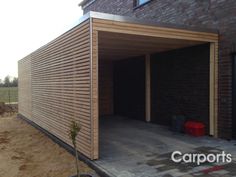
{"type": "Point", "coordinates": [61, 86]}
{"type": "Point", "coordinates": [213, 99]}
{"type": "Point", "coordinates": [115, 46]}
{"type": "Point", "coordinates": [95, 95]}
{"type": "Point", "coordinates": [24, 87]}
{"type": "Point", "coordinates": [144, 30]}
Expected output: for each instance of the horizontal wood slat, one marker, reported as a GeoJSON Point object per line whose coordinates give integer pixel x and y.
{"type": "Point", "coordinates": [60, 86]}
{"type": "Point", "coordinates": [24, 87]}
{"type": "Point", "coordinates": [138, 29]}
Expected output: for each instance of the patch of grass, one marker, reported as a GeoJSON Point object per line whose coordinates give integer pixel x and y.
{"type": "Point", "coordinates": [4, 94]}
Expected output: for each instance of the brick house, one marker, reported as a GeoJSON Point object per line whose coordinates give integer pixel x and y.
{"type": "Point", "coordinates": [213, 14]}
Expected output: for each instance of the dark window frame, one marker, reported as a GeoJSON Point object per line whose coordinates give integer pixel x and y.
{"type": "Point", "coordinates": [137, 4]}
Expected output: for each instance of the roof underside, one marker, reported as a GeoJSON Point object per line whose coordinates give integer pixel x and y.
{"type": "Point", "coordinates": [116, 45]}
{"type": "Point", "coordinates": [120, 46]}
{"type": "Point", "coordinates": [123, 37]}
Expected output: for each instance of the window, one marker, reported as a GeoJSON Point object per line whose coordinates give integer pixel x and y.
{"type": "Point", "coordinates": [140, 2]}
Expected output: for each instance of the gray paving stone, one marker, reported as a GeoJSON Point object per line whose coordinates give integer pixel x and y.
{"type": "Point", "coordinates": [131, 148]}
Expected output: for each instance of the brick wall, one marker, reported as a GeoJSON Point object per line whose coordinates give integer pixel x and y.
{"type": "Point", "coordinates": [129, 88]}
{"type": "Point", "coordinates": [105, 87]}
{"type": "Point", "coordinates": [180, 84]}
{"type": "Point", "coordinates": [216, 14]}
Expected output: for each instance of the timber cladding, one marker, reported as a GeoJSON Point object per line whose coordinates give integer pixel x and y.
{"type": "Point", "coordinates": [59, 82]}
{"type": "Point", "coordinates": [60, 86]}
{"type": "Point", "coordinates": [25, 89]}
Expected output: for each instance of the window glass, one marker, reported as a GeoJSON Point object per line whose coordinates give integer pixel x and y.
{"type": "Point", "coordinates": [140, 2]}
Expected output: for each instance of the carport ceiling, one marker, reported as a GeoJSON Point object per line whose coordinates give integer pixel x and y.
{"type": "Point", "coordinates": [119, 46]}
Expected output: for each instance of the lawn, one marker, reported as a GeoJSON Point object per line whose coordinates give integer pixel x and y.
{"type": "Point", "coordinates": [26, 152]}
{"type": "Point", "coordinates": [5, 92]}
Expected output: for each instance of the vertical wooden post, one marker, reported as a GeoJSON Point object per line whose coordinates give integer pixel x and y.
{"type": "Point", "coordinates": [148, 87]}
{"type": "Point", "coordinates": [94, 93]}
{"type": "Point", "coordinates": [213, 86]}
{"type": "Point", "coordinates": [216, 90]}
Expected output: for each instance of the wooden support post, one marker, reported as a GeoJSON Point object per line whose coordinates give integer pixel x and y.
{"type": "Point", "coordinates": [213, 86]}
{"type": "Point", "coordinates": [148, 87]}
{"type": "Point", "coordinates": [94, 92]}
{"type": "Point", "coordinates": [216, 90]}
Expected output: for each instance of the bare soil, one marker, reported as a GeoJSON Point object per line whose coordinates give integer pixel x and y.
{"type": "Point", "coordinates": [26, 152]}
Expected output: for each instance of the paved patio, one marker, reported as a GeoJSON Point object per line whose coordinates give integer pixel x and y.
{"type": "Point", "coordinates": [130, 148]}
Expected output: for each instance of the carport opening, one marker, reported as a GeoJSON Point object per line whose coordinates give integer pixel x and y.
{"type": "Point", "coordinates": [179, 79]}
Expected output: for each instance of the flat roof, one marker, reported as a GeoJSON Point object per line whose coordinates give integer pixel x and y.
{"type": "Point", "coordinates": [131, 20]}
{"type": "Point", "coordinates": [119, 18]}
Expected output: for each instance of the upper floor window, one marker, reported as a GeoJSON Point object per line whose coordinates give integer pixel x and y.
{"type": "Point", "coordinates": [140, 2]}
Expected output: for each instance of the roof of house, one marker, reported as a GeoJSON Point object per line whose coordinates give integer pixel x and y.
{"type": "Point", "coordinates": [119, 18]}
{"type": "Point", "coordinates": [84, 2]}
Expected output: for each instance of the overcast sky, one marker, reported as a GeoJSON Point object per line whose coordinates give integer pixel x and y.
{"type": "Point", "coordinates": [28, 24]}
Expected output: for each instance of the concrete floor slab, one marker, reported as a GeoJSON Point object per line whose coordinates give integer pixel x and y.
{"type": "Point", "coordinates": [131, 148]}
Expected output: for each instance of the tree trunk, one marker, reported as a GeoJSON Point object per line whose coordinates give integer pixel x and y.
{"type": "Point", "coordinates": [77, 162]}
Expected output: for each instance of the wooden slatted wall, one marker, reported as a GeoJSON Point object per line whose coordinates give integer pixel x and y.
{"type": "Point", "coordinates": [61, 86]}
{"type": "Point", "coordinates": [24, 87]}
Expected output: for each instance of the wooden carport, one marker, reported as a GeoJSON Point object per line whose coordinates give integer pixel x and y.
{"type": "Point", "coordinates": [59, 82]}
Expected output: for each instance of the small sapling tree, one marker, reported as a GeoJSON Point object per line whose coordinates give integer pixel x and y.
{"type": "Point", "coordinates": [74, 130]}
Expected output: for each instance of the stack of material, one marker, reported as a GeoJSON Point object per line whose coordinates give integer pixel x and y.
{"type": "Point", "coordinates": [2, 108]}
{"type": "Point", "coordinates": [177, 124]}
